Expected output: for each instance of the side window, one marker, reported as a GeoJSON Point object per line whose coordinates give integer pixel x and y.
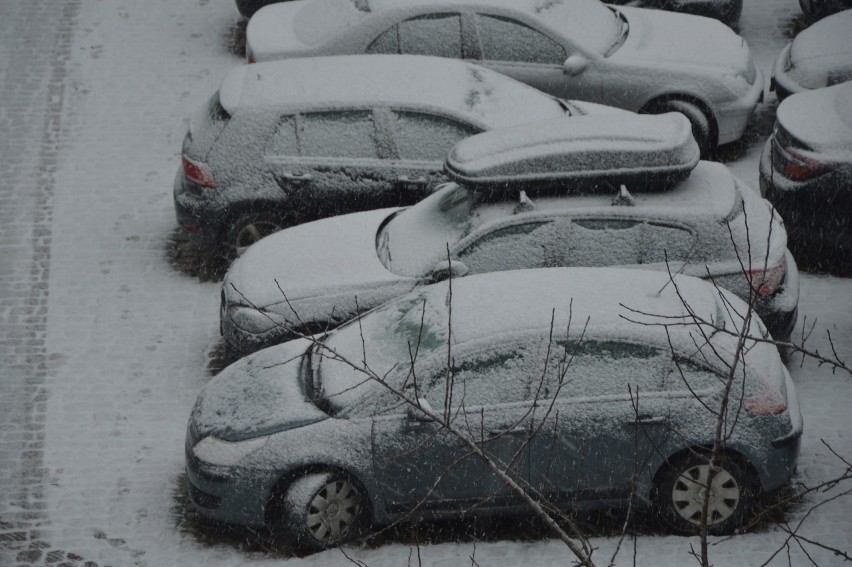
{"type": "Point", "coordinates": [338, 134]}
{"type": "Point", "coordinates": [540, 244]}
{"type": "Point", "coordinates": [603, 368]}
{"type": "Point", "coordinates": [605, 242]}
{"type": "Point", "coordinates": [499, 375]}
{"type": "Point", "coordinates": [435, 34]}
{"type": "Point", "coordinates": [422, 136]}
{"type": "Point", "coordinates": [387, 43]}
{"type": "Point", "coordinates": [664, 241]}
{"type": "Point", "coordinates": [284, 141]}
{"type": "Point", "coordinates": [507, 40]}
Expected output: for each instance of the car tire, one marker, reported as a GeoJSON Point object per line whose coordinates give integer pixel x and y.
{"type": "Point", "coordinates": [702, 129]}
{"type": "Point", "coordinates": [680, 494]}
{"type": "Point", "coordinates": [321, 510]}
{"type": "Point", "coordinates": [247, 229]}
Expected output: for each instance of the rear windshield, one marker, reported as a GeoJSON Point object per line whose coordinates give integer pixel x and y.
{"type": "Point", "coordinates": [321, 20]}
{"type": "Point", "coordinates": [206, 126]}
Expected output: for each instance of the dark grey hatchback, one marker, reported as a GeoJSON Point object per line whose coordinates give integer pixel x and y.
{"type": "Point", "coordinates": [295, 439]}
{"type": "Point", "coordinates": [285, 142]}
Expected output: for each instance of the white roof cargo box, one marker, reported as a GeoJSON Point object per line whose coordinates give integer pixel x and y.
{"type": "Point", "coordinates": [648, 152]}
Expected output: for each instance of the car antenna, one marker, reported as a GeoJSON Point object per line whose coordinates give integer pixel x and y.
{"type": "Point", "coordinates": [524, 204]}
{"type": "Point", "coordinates": [624, 198]}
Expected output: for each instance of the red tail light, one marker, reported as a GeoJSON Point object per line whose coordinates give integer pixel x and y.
{"type": "Point", "coordinates": [251, 59]}
{"type": "Point", "coordinates": [766, 282]}
{"type": "Point", "coordinates": [801, 166]}
{"type": "Point", "coordinates": [766, 404]}
{"type": "Point", "coordinates": [197, 173]}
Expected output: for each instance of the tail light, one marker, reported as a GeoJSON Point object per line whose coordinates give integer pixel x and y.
{"type": "Point", "coordinates": [767, 281]}
{"type": "Point", "coordinates": [799, 166]}
{"type": "Point", "coordinates": [197, 172]}
{"type": "Point", "coordinates": [766, 403]}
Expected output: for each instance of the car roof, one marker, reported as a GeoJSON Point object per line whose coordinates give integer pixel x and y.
{"type": "Point", "coordinates": [599, 300]}
{"type": "Point", "coordinates": [443, 85]}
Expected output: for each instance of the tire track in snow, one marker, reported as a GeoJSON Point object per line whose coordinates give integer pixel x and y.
{"type": "Point", "coordinates": [34, 54]}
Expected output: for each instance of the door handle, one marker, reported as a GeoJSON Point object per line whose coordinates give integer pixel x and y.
{"type": "Point", "coordinates": [288, 177]}
{"type": "Point", "coordinates": [412, 180]}
{"type": "Point", "coordinates": [647, 420]}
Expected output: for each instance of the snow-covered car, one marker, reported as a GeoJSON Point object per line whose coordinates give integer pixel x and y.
{"type": "Point", "coordinates": [545, 373]}
{"type": "Point", "coordinates": [290, 141]}
{"type": "Point", "coordinates": [727, 11]}
{"type": "Point", "coordinates": [816, 9]}
{"type": "Point", "coordinates": [637, 59]}
{"type": "Point", "coordinates": [820, 56]}
{"type": "Point", "coordinates": [311, 277]}
{"type": "Point", "coordinates": [806, 173]}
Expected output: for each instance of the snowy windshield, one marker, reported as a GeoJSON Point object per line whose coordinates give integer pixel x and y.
{"type": "Point", "coordinates": [417, 239]}
{"type": "Point", "coordinates": [385, 342]}
{"type": "Point", "coordinates": [588, 23]}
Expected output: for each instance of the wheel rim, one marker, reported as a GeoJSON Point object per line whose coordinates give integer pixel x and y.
{"type": "Point", "coordinates": [253, 232]}
{"type": "Point", "coordinates": [333, 510]}
{"type": "Point", "coordinates": [689, 491]}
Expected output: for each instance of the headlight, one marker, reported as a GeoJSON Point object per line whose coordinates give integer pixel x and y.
{"type": "Point", "coordinates": [225, 453]}
{"type": "Point", "coordinates": [254, 321]}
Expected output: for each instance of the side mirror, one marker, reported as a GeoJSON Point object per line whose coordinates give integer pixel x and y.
{"type": "Point", "coordinates": [414, 414]}
{"type": "Point", "coordinates": [575, 65]}
{"type": "Point", "coordinates": [448, 269]}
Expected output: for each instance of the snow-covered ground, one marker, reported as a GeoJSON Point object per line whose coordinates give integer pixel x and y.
{"type": "Point", "coordinates": [126, 336]}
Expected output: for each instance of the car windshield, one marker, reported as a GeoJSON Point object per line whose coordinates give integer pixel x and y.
{"type": "Point", "coordinates": [380, 344]}
{"type": "Point", "coordinates": [414, 241]}
{"type": "Point", "coordinates": [588, 23]}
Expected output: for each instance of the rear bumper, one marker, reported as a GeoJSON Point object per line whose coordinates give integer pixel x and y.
{"type": "Point", "coordinates": [192, 214]}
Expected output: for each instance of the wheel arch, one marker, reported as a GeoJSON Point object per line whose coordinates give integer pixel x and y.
{"type": "Point", "coordinates": [691, 98]}
{"type": "Point", "coordinates": [732, 454]}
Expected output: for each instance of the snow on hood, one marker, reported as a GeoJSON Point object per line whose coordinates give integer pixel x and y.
{"type": "Point", "coordinates": [823, 48]}
{"type": "Point", "coordinates": [257, 395]}
{"type": "Point", "coordinates": [821, 118]}
{"type": "Point", "coordinates": [658, 38]}
{"type": "Point", "coordinates": [324, 257]}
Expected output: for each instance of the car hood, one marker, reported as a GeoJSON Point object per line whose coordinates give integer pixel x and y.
{"type": "Point", "coordinates": [659, 39]}
{"type": "Point", "coordinates": [821, 119]}
{"type": "Point", "coordinates": [327, 257]}
{"type": "Point", "coordinates": [257, 395]}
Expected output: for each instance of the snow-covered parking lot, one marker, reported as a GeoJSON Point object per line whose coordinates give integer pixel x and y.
{"type": "Point", "coordinates": [105, 344]}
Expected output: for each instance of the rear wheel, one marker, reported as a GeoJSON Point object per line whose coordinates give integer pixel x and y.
{"type": "Point", "coordinates": [684, 485]}
{"type": "Point", "coordinates": [321, 510]}
{"type": "Point", "coordinates": [702, 129]}
{"type": "Point", "coordinates": [248, 229]}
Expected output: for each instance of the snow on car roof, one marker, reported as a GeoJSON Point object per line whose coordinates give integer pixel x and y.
{"type": "Point", "coordinates": [821, 118]}
{"type": "Point", "coordinates": [584, 147]}
{"type": "Point", "coordinates": [516, 301]}
{"type": "Point", "coordinates": [443, 85]}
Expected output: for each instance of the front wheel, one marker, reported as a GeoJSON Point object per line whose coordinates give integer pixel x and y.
{"type": "Point", "coordinates": [685, 484]}
{"type": "Point", "coordinates": [322, 510]}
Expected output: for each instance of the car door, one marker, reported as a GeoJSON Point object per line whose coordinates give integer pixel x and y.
{"type": "Point", "coordinates": [418, 462]}
{"type": "Point", "coordinates": [601, 421]}
{"type": "Point", "coordinates": [330, 162]}
{"type": "Point", "coordinates": [420, 143]}
{"type": "Point", "coordinates": [522, 52]}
